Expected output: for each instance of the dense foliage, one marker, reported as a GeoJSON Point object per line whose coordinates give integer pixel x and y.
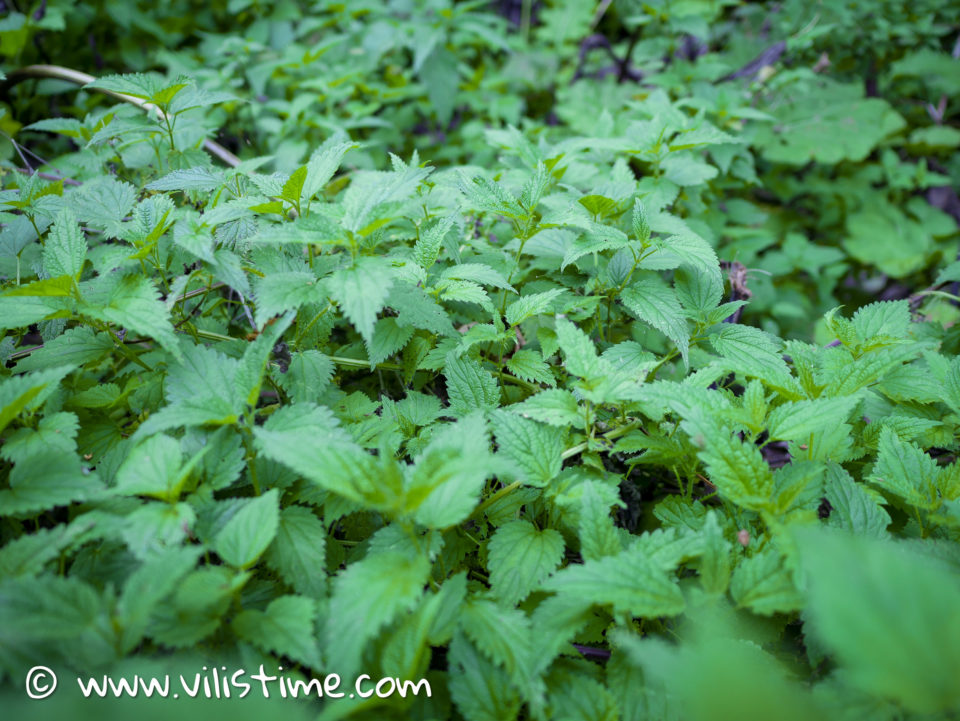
{"type": "Point", "coordinates": [590, 360]}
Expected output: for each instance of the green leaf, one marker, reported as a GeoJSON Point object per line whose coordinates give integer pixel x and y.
{"type": "Point", "coordinates": [715, 560]}
{"type": "Point", "coordinates": [201, 389]}
{"type": "Point", "coordinates": [371, 194]}
{"type": "Point", "coordinates": [133, 303]}
{"type": "Point", "coordinates": [28, 554]}
{"type": "Point", "coordinates": [307, 375]}
{"type": "Point", "coordinates": [737, 469]}
{"type": "Point", "coordinates": [883, 236]}
{"type": "Point", "coordinates": [324, 163]}
{"type": "Point", "coordinates": [641, 223]}
{"type": "Point", "coordinates": [155, 468]}
{"type": "Point", "coordinates": [799, 420]}
{"type": "Point", "coordinates": [197, 606]}
{"type": "Point", "coordinates": [478, 273]}
{"type": "Point", "coordinates": [535, 187]}
{"type": "Point", "coordinates": [852, 506]}
{"type": "Point", "coordinates": [298, 553]}
{"type": "Point", "coordinates": [529, 366]}
{"type": "Point", "coordinates": [369, 594]}
{"type": "Point", "coordinates": [66, 247]}
{"type": "Point", "coordinates": [888, 614]}
{"type": "Point", "coordinates": [520, 557]}
{"type": "Point", "coordinates": [629, 582]}
{"type": "Point", "coordinates": [417, 309]}
{"type": "Point", "coordinates": [933, 67]}
{"type": "Point", "coordinates": [28, 391]}
{"type": "Point", "coordinates": [253, 364]}
{"type": "Point", "coordinates": [407, 653]}
{"type": "Point", "coordinates": [445, 482]}
{"type": "Point", "coordinates": [656, 304]}
{"type": "Point", "coordinates": [137, 85]}
{"type": "Point", "coordinates": [599, 206]}
{"type": "Point", "coordinates": [827, 124]}
{"type": "Point", "coordinates": [534, 449]}
{"type": "Point", "coordinates": [764, 585]}
{"type": "Point", "coordinates": [337, 465]}
{"type": "Point", "coordinates": [555, 407]}
{"type": "Point", "coordinates": [75, 346]}
{"type": "Point", "coordinates": [293, 188]}
{"type": "Point", "coordinates": [250, 531]}
{"type": "Point", "coordinates": [598, 238]}
{"type": "Point", "coordinates": [45, 288]}
{"type": "Point", "coordinates": [200, 177]}
{"type": "Point", "coordinates": [280, 292]}
{"type": "Point", "coordinates": [485, 195]}
{"type": "Point", "coordinates": [388, 338]}
{"type": "Point", "coordinates": [531, 305]}
{"type": "Point", "coordinates": [581, 355]}
{"type": "Point", "coordinates": [480, 690]}
{"type": "Point", "coordinates": [361, 291]}
{"type": "Point", "coordinates": [479, 334]}
{"type": "Point", "coordinates": [284, 628]}
{"type": "Point", "coordinates": [192, 97]}
{"type": "Point", "coordinates": [441, 76]}
{"type": "Point", "coordinates": [104, 202]}
{"type": "Point", "coordinates": [503, 635]}
{"type": "Point", "coordinates": [430, 240]}
{"type": "Point", "coordinates": [752, 352]}
{"type": "Point", "coordinates": [905, 470]}
{"type": "Point", "coordinates": [598, 537]}
{"type": "Point", "coordinates": [469, 386]}
{"type": "Point", "coordinates": [44, 481]}
{"type": "Point", "coordinates": [49, 608]}
{"type": "Point", "coordinates": [148, 586]}
{"type": "Point", "coordinates": [886, 319]}
{"type": "Point", "coordinates": [697, 291]}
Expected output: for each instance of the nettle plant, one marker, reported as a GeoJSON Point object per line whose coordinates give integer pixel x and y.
{"type": "Point", "coordinates": [500, 430]}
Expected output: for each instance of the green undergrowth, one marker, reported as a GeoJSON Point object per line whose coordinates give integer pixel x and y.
{"type": "Point", "coordinates": [486, 410]}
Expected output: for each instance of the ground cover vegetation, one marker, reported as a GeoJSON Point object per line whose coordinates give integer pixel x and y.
{"type": "Point", "coordinates": [589, 360]}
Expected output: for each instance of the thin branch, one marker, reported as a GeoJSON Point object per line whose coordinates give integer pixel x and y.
{"type": "Point", "coordinates": [624, 70]}
{"type": "Point", "coordinates": [601, 11]}
{"type": "Point", "coordinates": [195, 293]}
{"type": "Point", "coordinates": [16, 146]}
{"type": "Point", "coordinates": [23, 352]}
{"type": "Point", "coordinates": [246, 310]}
{"type": "Point", "coordinates": [588, 651]}
{"type": "Point", "coordinates": [57, 72]}
{"type": "Point", "coordinates": [49, 176]}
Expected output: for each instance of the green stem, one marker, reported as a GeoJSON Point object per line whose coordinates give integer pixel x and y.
{"type": "Point", "coordinates": [318, 316]}
{"type": "Point", "coordinates": [569, 453]}
{"type": "Point", "coordinates": [35, 228]}
{"type": "Point", "coordinates": [166, 121]}
{"type": "Point", "coordinates": [506, 490]}
{"type": "Point", "coordinates": [609, 436]}
{"type": "Point", "coordinates": [125, 350]}
{"type": "Point", "coordinates": [251, 458]}
{"type": "Point", "coordinates": [668, 357]}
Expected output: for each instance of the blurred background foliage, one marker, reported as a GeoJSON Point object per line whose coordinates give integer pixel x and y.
{"type": "Point", "coordinates": [835, 185]}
